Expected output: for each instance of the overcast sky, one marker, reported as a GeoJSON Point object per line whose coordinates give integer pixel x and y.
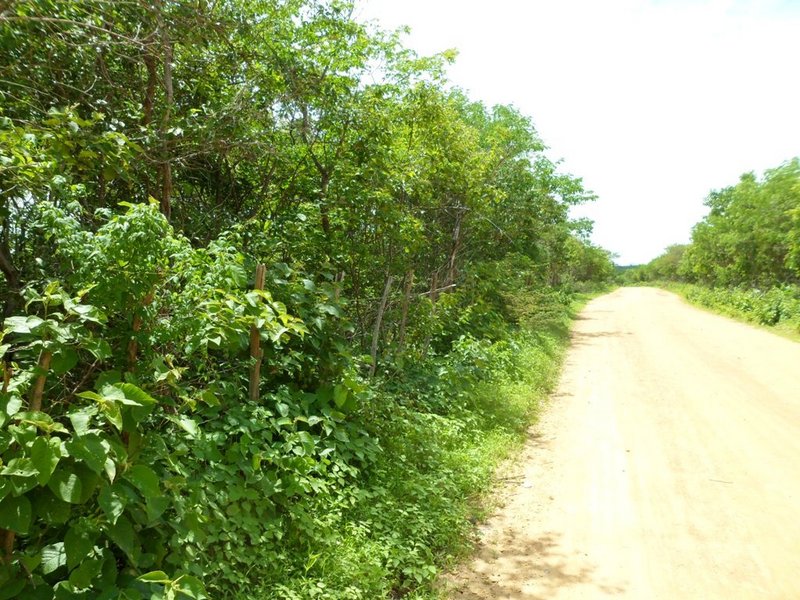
{"type": "Point", "coordinates": [652, 102]}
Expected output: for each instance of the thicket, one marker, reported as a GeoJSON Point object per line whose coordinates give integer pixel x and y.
{"type": "Point", "coordinates": [270, 286]}
{"type": "Point", "coordinates": [765, 307]}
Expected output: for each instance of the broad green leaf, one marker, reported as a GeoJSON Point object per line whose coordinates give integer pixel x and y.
{"type": "Point", "coordinates": [188, 424]}
{"type": "Point", "coordinates": [98, 348]}
{"type": "Point", "coordinates": [90, 449]}
{"type": "Point", "coordinates": [40, 420]}
{"type": "Point", "coordinates": [78, 543]}
{"type": "Point", "coordinates": [90, 395]}
{"type": "Point", "coordinates": [87, 573]}
{"type": "Point", "coordinates": [82, 419]}
{"type": "Point", "coordinates": [12, 589]}
{"type": "Point", "coordinates": [89, 481]}
{"type": "Point", "coordinates": [339, 395]}
{"type": "Point", "coordinates": [209, 398]}
{"type": "Point", "coordinates": [15, 514]}
{"type": "Point", "coordinates": [112, 502]}
{"type": "Point", "coordinates": [192, 587]}
{"type": "Point", "coordinates": [66, 485]}
{"type": "Point", "coordinates": [110, 468]}
{"type": "Point", "coordinates": [45, 455]}
{"type": "Point", "coordinates": [145, 480]}
{"type": "Point", "coordinates": [50, 509]}
{"type": "Point", "coordinates": [112, 413]}
{"type": "Point", "coordinates": [10, 403]}
{"type": "Point", "coordinates": [135, 395]}
{"type": "Point", "coordinates": [155, 577]}
{"type": "Point", "coordinates": [64, 360]}
{"type": "Point", "coordinates": [122, 534]}
{"type": "Point", "coordinates": [22, 324]}
{"type": "Point", "coordinates": [20, 467]}
{"type": "Point", "coordinates": [155, 507]}
{"type": "Point", "coordinates": [53, 557]}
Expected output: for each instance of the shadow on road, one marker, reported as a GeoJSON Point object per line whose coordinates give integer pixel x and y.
{"type": "Point", "coordinates": [530, 569]}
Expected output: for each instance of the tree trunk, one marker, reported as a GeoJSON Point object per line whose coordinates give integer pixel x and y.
{"type": "Point", "coordinates": [166, 166]}
{"type": "Point", "coordinates": [401, 336]}
{"type": "Point", "coordinates": [12, 279]}
{"type": "Point", "coordinates": [376, 330]}
{"type": "Point", "coordinates": [35, 403]}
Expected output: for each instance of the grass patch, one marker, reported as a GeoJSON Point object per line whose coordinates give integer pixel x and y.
{"type": "Point", "coordinates": [776, 310]}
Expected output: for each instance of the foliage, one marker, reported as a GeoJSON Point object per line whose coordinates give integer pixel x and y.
{"type": "Point", "coordinates": [766, 307]}
{"type": "Point", "coordinates": [750, 237]}
{"type": "Point", "coordinates": [168, 429]}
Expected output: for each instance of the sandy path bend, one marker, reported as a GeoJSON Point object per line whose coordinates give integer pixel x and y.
{"type": "Point", "coordinates": [667, 465]}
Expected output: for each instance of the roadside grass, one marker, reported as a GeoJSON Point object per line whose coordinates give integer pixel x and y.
{"type": "Point", "coordinates": [774, 310]}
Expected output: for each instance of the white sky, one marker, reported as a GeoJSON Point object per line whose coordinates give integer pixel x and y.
{"type": "Point", "coordinates": [652, 102]}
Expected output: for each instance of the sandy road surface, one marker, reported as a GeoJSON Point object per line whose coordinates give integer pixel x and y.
{"type": "Point", "coordinates": [667, 466]}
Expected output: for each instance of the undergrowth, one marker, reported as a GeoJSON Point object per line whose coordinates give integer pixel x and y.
{"type": "Point", "coordinates": [144, 467]}
{"type": "Point", "coordinates": [416, 510]}
{"type": "Point", "coordinates": [777, 308]}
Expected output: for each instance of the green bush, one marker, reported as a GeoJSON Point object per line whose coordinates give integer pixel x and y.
{"type": "Point", "coordinates": [142, 469]}
{"type": "Point", "coordinates": [765, 307]}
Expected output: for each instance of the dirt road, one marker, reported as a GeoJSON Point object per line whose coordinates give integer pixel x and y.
{"type": "Point", "coordinates": [666, 466]}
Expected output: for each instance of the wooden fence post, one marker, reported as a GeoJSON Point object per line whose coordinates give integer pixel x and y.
{"type": "Point", "coordinates": [255, 342]}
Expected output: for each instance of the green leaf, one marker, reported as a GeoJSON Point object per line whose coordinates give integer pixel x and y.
{"type": "Point", "coordinates": [64, 360]}
{"type": "Point", "coordinates": [188, 424]}
{"type": "Point", "coordinates": [122, 534]}
{"type": "Point", "coordinates": [50, 509]}
{"type": "Point", "coordinates": [89, 395]}
{"type": "Point", "coordinates": [10, 403]}
{"type": "Point", "coordinates": [339, 395]}
{"type": "Point", "coordinates": [15, 514]}
{"type": "Point", "coordinates": [53, 557]}
{"type": "Point", "coordinates": [110, 467]}
{"type": "Point", "coordinates": [86, 574]}
{"type": "Point", "coordinates": [155, 577]}
{"type": "Point", "coordinates": [192, 587]}
{"type": "Point", "coordinates": [45, 454]}
{"type": "Point", "coordinates": [90, 449]}
{"type": "Point", "coordinates": [78, 543]}
{"type": "Point", "coordinates": [135, 395]}
{"type": "Point", "coordinates": [112, 413]}
{"type": "Point", "coordinates": [112, 502]}
{"type": "Point", "coordinates": [66, 485]}
{"type": "Point", "coordinates": [155, 507]}
{"type": "Point", "coordinates": [22, 324]}
{"type": "Point", "coordinates": [20, 467]}
{"type": "Point", "coordinates": [40, 420]}
{"type": "Point", "coordinates": [82, 419]}
{"type": "Point", "coordinates": [145, 479]}
{"type": "Point", "coordinates": [209, 398]}
{"type": "Point", "coordinates": [100, 349]}
{"type": "Point", "coordinates": [12, 589]}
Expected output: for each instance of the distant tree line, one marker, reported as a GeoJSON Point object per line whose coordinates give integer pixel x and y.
{"type": "Point", "coordinates": [750, 237]}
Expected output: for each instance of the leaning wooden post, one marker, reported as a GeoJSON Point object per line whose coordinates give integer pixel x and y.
{"type": "Point", "coordinates": [376, 330]}
{"type": "Point", "coordinates": [255, 342]}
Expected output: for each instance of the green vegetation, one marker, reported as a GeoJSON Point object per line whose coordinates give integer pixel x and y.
{"type": "Point", "coordinates": [276, 298]}
{"type": "Point", "coordinates": [744, 258]}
